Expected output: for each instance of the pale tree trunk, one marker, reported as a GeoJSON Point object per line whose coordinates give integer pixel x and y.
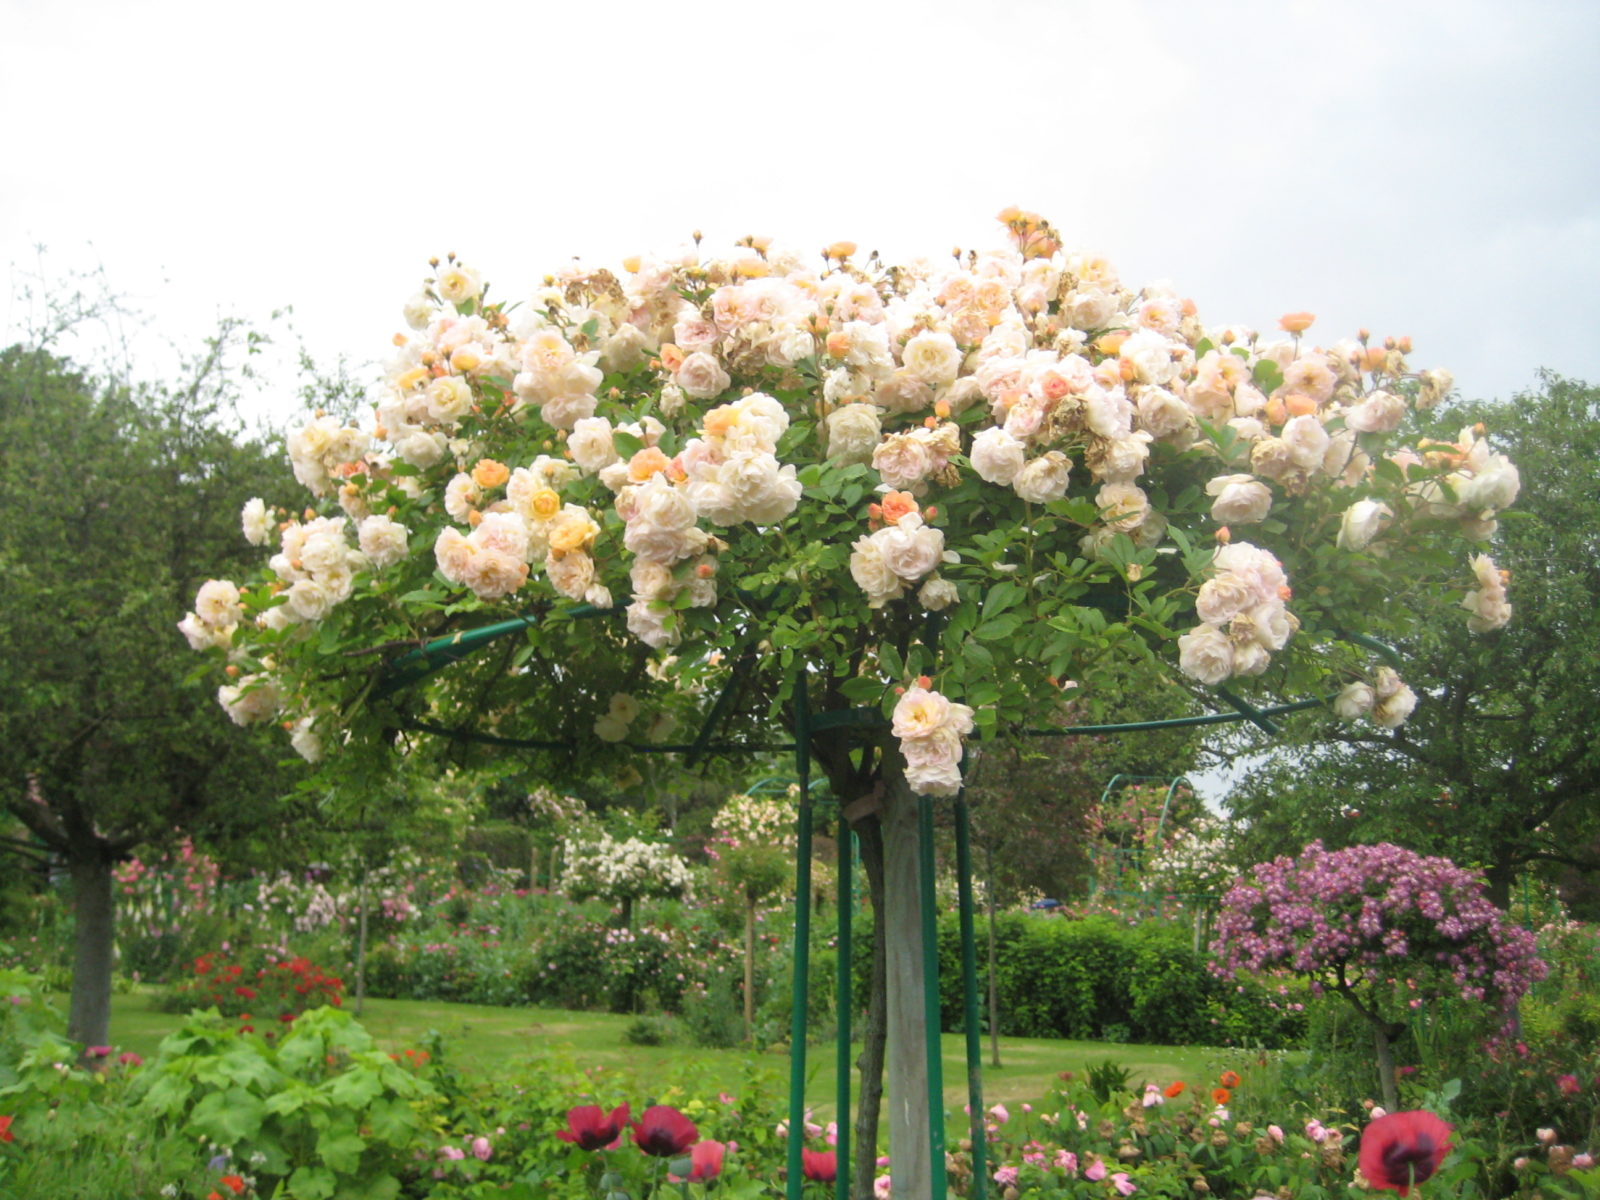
{"type": "Point", "coordinates": [874, 1033]}
{"type": "Point", "coordinates": [910, 1141]}
{"type": "Point", "coordinates": [94, 910]}
{"type": "Point", "coordinates": [1383, 1043]}
{"type": "Point", "coordinates": [749, 968]}
{"type": "Point", "coordinates": [994, 972]}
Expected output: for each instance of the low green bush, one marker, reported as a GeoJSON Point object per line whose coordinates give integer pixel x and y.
{"type": "Point", "coordinates": [1100, 978]}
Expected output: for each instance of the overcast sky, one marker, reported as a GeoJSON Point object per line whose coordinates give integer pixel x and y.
{"type": "Point", "coordinates": [1421, 168]}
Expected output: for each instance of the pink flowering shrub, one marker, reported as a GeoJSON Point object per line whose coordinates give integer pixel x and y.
{"type": "Point", "coordinates": [1383, 926]}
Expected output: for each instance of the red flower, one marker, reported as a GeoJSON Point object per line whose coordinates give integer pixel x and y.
{"type": "Point", "coordinates": [1221, 1095]}
{"type": "Point", "coordinates": [664, 1132]}
{"type": "Point", "coordinates": [589, 1128]}
{"type": "Point", "coordinates": [1229, 1079]}
{"type": "Point", "coordinates": [5, 1130]}
{"type": "Point", "coordinates": [233, 1183]}
{"type": "Point", "coordinates": [1403, 1149]}
{"type": "Point", "coordinates": [1174, 1090]}
{"type": "Point", "coordinates": [819, 1165]}
{"type": "Point", "coordinates": [706, 1161]}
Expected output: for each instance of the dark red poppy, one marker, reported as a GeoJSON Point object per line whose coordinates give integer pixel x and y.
{"type": "Point", "coordinates": [663, 1131]}
{"type": "Point", "coordinates": [819, 1165]}
{"type": "Point", "coordinates": [590, 1128]}
{"type": "Point", "coordinates": [1403, 1149]}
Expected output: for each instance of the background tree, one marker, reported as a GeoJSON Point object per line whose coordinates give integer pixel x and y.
{"type": "Point", "coordinates": [1497, 767]}
{"type": "Point", "coordinates": [1382, 927]}
{"type": "Point", "coordinates": [118, 503]}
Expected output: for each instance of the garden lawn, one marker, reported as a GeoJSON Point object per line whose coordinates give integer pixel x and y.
{"type": "Point", "coordinates": [481, 1041]}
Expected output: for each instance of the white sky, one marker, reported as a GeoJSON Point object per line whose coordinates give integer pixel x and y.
{"type": "Point", "coordinates": [1424, 168]}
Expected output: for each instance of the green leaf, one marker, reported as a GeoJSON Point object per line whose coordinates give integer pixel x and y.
{"type": "Point", "coordinates": [341, 1149]}
{"type": "Point", "coordinates": [626, 443]}
{"type": "Point", "coordinates": [862, 690]}
{"type": "Point", "coordinates": [1268, 375]}
{"type": "Point", "coordinates": [889, 658]}
{"type": "Point", "coordinates": [311, 1183]}
{"type": "Point", "coordinates": [229, 1117]}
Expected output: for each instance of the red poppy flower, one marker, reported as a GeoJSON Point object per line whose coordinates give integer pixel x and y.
{"type": "Point", "coordinates": [590, 1128]}
{"type": "Point", "coordinates": [1174, 1090]}
{"type": "Point", "coordinates": [1229, 1079]}
{"type": "Point", "coordinates": [664, 1132]}
{"type": "Point", "coordinates": [5, 1130]}
{"type": "Point", "coordinates": [820, 1165]}
{"type": "Point", "coordinates": [233, 1183]}
{"type": "Point", "coordinates": [1221, 1095]}
{"type": "Point", "coordinates": [1403, 1149]}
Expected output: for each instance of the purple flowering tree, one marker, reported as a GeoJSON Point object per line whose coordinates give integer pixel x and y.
{"type": "Point", "coordinates": [1382, 926]}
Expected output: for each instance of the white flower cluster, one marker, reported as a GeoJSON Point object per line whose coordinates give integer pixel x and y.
{"type": "Point", "coordinates": [930, 728]}
{"type": "Point", "coordinates": [1242, 615]}
{"type": "Point", "coordinates": [1387, 700]}
{"type": "Point", "coordinates": [756, 821]}
{"type": "Point", "coordinates": [611, 869]}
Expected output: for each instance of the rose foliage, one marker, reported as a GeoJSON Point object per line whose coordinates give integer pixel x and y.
{"type": "Point", "coordinates": [968, 478]}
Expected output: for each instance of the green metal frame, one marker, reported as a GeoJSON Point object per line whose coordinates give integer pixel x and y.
{"type": "Point", "coordinates": [439, 653]}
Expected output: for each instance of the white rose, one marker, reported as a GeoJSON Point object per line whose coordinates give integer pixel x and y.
{"type": "Point", "coordinates": [493, 574]}
{"type": "Point", "coordinates": [902, 461]}
{"type": "Point", "coordinates": [762, 491]}
{"type": "Point", "coordinates": [997, 457]}
{"type": "Point", "coordinates": [909, 548]}
{"type": "Point", "coordinates": [254, 698]}
{"type": "Point", "coordinates": [853, 433]}
{"type": "Point", "coordinates": [383, 540]}
{"type": "Point", "coordinates": [201, 636]}
{"type": "Point", "coordinates": [461, 495]}
{"type": "Point", "coordinates": [449, 399]}
{"type": "Point", "coordinates": [872, 574]}
{"type": "Point", "coordinates": [310, 600]}
{"type": "Point", "coordinates": [591, 444]}
{"type": "Point", "coordinates": [1381, 412]}
{"type": "Point", "coordinates": [256, 522]}
{"type": "Point", "coordinates": [1273, 458]}
{"type": "Point", "coordinates": [1355, 700]}
{"type": "Point", "coordinates": [932, 357]}
{"type": "Point", "coordinates": [648, 623]}
{"type": "Point", "coordinates": [1206, 654]}
{"type": "Point", "coordinates": [938, 594]}
{"type": "Point", "coordinates": [305, 741]}
{"type": "Point", "coordinates": [702, 377]}
{"type": "Point", "coordinates": [1224, 597]}
{"type": "Point", "coordinates": [1307, 441]}
{"type": "Point", "coordinates": [421, 449]}
{"type": "Point", "coordinates": [1391, 713]}
{"type": "Point", "coordinates": [1043, 479]}
{"type": "Point", "coordinates": [1362, 522]}
{"type": "Point", "coordinates": [1163, 414]}
{"type": "Point", "coordinates": [418, 311]}
{"type": "Point", "coordinates": [625, 349]}
{"type": "Point", "coordinates": [1240, 499]}
{"type": "Point", "coordinates": [217, 603]}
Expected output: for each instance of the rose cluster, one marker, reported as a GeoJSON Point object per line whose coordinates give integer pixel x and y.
{"type": "Point", "coordinates": [704, 417]}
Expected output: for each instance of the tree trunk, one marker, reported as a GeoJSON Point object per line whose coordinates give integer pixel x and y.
{"type": "Point", "coordinates": [94, 910]}
{"type": "Point", "coordinates": [361, 946]}
{"type": "Point", "coordinates": [910, 1140]}
{"type": "Point", "coordinates": [1383, 1043]}
{"type": "Point", "coordinates": [875, 1033]}
{"type": "Point", "coordinates": [749, 968]}
{"type": "Point", "coordinates": [994, 970]}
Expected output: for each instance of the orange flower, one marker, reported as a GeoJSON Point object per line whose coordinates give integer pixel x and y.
{"type": "Point", "coordinates": [489, 473]}
{"type": "Point", "coordinates": [1221, 1095]}
{"type": "Point", "coordinates": [234, 1184]}
{"type": "Point", "coordinates": [1229, 1079]}
{"type": "Point", "coordinates": [1296, 322]}
{"type": "Point", "coordinates": [671, 357]}
{"type": "Point", "coordinates": [1174, 1090]}
{"type": "Point", "coordinates": [897, 505]}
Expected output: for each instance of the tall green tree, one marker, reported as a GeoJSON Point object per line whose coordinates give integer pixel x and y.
{"type": "Point", "coordinates": [1498, 766]}
{"type": "Point", "coordinates": [118, 502]}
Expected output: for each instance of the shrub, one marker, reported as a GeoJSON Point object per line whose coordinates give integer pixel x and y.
{"type": "Point", "coordinates": [278, 991]}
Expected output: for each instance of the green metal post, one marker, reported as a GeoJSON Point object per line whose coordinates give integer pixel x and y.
{"type": "Point", "coordinates": [847, 858]}
{"type": "Point", "coordinates": [802, 942]}
{"type": "Point", "coordinates": [930, 997]}
{"type": "Point", "coordinates": [969, 996]}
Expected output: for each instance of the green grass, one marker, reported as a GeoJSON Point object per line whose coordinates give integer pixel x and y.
{"type": "Point", "coordinates": [483, 1041]}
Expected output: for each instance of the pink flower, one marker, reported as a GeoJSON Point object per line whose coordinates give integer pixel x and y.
{"type": "Point", "coordinates": [481, 1149]}
{"type": "Point", "coordinates": [1000, 1113]}
{"type": "Point", "coordinates": [1066, 1161]}
{"type": "Point", "coordinates": [452, 1153]}
{"type": "Point", "coordinates": [1123, 1184]}
{"type": "Point", "coordinates": [1583, 1161]}
{"type": "Point", "coordinates": [1568, 1084]}
{"type": "Point", "coordinates": [1401, 1150]}
{"type": "Point", "coordinates": [1096, 1171]}
{"type": "Point", "coordinates": [1005, 1175]}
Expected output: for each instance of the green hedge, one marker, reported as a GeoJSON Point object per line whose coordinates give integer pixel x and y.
{"type": "Point", "coordinates": [1101, 979]}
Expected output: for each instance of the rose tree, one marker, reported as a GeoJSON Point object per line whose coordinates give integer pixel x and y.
{"type": "Point", "coordinates": [1382, 926]}
{"type": "Point", "coordinates": [933, 490]}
